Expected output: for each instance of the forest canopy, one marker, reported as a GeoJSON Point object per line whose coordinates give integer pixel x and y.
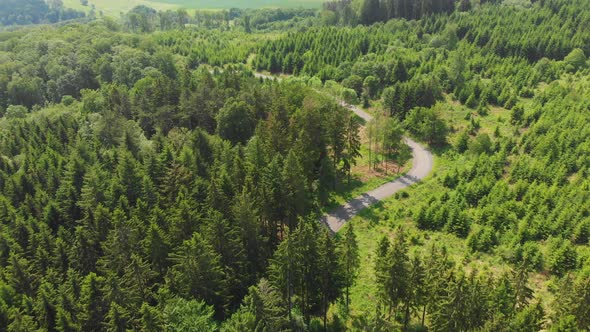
{"type": "Point", "coordinates": [23, 12]}
{"type": "Point", "coordinates": [154, 176]}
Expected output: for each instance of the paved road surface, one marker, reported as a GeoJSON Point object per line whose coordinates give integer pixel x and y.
{"type": "Point", "coordinates": [422, 165]}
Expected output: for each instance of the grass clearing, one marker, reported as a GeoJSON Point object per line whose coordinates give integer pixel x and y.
{"type": "Point", "coordinates": [226, 4]}
{"type": "Point", "coordinates": [114, 8]}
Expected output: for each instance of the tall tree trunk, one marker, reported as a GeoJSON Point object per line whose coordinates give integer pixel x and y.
{"type": "Point", "coordinates": [289, 303]}
{"type": "Point", "coordinates": [407, 315]}
{"type": "Point", "coordinates": [335, 177]}
{"type": "Point", "coordinates": [386, 159]}
{"type": "Point", "coordinates": [325, 313]}
{"type": "Point", "coordinates": [370, 150]}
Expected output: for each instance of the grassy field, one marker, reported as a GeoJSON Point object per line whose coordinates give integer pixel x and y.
{"type": "Point", "coordinates": [116, 7]}
{"type": "Point", "coordinates": [225, 4]}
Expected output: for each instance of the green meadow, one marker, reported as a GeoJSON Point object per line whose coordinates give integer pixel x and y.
{"type": "Point", "coordinates": [116, 7]}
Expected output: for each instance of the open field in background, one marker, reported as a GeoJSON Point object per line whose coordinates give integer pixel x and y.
{"type": "Point", "coordinates": [116, 7]}
{"type": "Point", "coordinates": [225, 4]}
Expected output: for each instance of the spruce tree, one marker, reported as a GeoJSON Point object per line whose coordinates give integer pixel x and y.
{"type": "Point", "coordinates": [197, 273]}
{"type": "Point", "coordinates": [93, 307]}
{"type": "Point", "coordinates": [399, 272]}
{"type": "Point", "coordinates": [151, 319]}
{"type": "Point", "coordinates": [370, 12]}
{"type": "Point", "coordinates": [330, 278]}
{"type": "Point", "coordinates": [349, 255]}
{"type": "Point", "coordinates": [117, 319]}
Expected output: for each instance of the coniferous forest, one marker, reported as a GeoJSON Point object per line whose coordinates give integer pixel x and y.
{"type": "Point", "coordinates": [168, 170]}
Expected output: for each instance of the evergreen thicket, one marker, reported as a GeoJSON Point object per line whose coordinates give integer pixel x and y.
{"type": "Point", "coordinates": [143, 189]}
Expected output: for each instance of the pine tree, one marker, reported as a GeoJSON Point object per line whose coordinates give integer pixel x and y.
{"type": "Point", "coordinates": [118, 247]}
{"type": "Point", "coordinates": [272, 198]}
{"type": "Point", "coordinates": [353, 145]}
{"type": "Point", "coordinates": [399, 272]}
{"type": "Point", "coordinates": [337, 137]}
{"type": "Point", "coordinates": [246, 214]}
{"type": "Point", "coordinates": [94, 309]}
{"type": "Point", "coordinates": [189, 315]}
{"type": "Point", "coordinates": [225, 239]}
{"type": "Point", "coordinates": [19, 275]}
{"type": "Point", "coordinates": [197, 273]}
{"type": "Point", "coordinates": [282, 271]}
{"type": "Point", "coordinates": [438, 267]}
{"type": "Point", "coordinates": [294, 189]}
{"type": "Point", "coordinates": [129, 177]}
{"type": "Point", "coordinates": [522, 293]}
{"type": "Point", "coordinates": [137, 282]}
{"type": "Point", "coordinates": [64, 322]}
{"type": "Point", "coordinates": [330, 273]}
{"type": "Point", "coordinates": [156, 247]}
{"type": "Point", "coordinates": [45, 308]}
{"type": "Point", "coordinates": [265, 302]}
{"type": "Point", "coordinates": [450, 313]}
{"type": "Point", "coordinates": [308, 287]}
{"type": "Point", "coordinates": [573, 297]}
{"type": "Point", "coordinates": [477, 301]}
{"type": "Point", "coordinates": [529, 319]}
{"type": "Point", "coordinates": [349, 253]}
{"type": "Point", "coordinates": [415, 294]}
{"type": "Point", "coordinates": [151, 319]}
{"type": "Point", "coordinates": [382, 275]}
{"type": "Point", "coordinates": [392, 140]}
{"type": "Point", "coordinates": [21, 321]}
{"type": "Point", "coordinates": [117, 319]}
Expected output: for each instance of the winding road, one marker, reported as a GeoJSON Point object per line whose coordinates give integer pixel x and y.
{"type": "Point", "coordinates": [422, 164]}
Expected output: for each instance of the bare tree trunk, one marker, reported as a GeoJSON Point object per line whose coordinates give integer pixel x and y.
{"type": "Point", "coordinates": [386, 160]}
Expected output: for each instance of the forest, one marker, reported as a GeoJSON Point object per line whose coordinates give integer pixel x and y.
{"type": "Point", "coordinates": [154, 176]}
{"type": "Point", "coordinates": [23, 12]}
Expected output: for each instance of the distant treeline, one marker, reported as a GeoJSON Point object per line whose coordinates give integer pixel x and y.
{"type": "Point", "coordinates": [145, 19]}
{"type": "Point", "coordinates": [367, 12]}
{"type": "Point", "coordinates": [23, 12]}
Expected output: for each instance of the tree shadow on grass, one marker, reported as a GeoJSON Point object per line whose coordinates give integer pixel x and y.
{"type": "Point", "coordinates": [373, 214]}
{"type": "Point", "coordinates": [440, 150]}
{"type": "Point", "coordinates": [344, 191]}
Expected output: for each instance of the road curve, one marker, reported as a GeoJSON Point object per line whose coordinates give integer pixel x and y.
{"type": "Point", "coordinates": [422, 164]}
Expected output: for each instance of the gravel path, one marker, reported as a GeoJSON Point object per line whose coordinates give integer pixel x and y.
{"type": "Point", "coordinates": [422, 165]}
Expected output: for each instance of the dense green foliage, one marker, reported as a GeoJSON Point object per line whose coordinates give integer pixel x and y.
{"type": "Point", "coordinates": [145, 19]}
{"type": "Point", "coordinates": [521, 197]}
{"type": "Point", "coordinates": [143, 189]}
{"type": "Point", "coordinates": [22, 12]}
{"type": "Point", "coordinates": [478, 57]}
{"type": "Point", "coordinates": [151, 182]}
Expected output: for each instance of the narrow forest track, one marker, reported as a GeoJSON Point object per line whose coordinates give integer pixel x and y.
{"type": "Point", "coordinates": [422, 164]}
